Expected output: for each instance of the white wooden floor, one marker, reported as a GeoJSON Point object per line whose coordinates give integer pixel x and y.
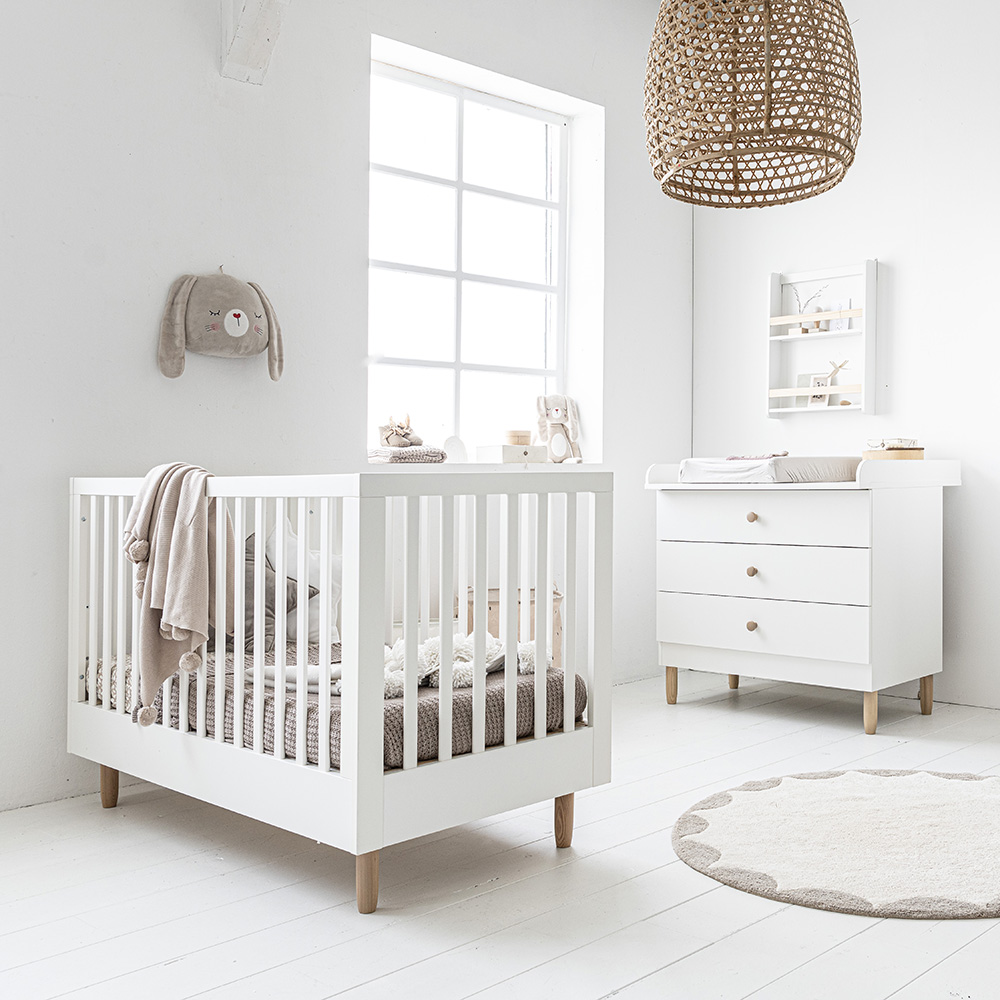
{"type": "Point", "coordinates": [167, 897]}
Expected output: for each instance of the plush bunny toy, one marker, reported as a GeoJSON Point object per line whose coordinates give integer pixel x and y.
{"type": "Point", "coordinates": [219, 315]}
{"type": "Point", "coordinates": [559, 427]}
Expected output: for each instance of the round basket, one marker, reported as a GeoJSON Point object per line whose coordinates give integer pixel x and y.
{"type": "Point", "coordinates": [751, 103]}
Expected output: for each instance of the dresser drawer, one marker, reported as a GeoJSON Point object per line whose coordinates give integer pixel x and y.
{"type": "Point", "coordinates": [783, 572]}
{"type": "Point", "coordinates": [785, 628]}
{"type": "Point", "coordinates": [796, 517]}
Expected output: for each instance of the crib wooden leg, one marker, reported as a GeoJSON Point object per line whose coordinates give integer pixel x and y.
{"type": "Point", "coordinates": [366, 881]}
{"type": "Point", "coordinates": [734, 681]}
{"type": "Point", "coordinates": [109, 787]}
{"type": "Point", "coordinates": [564, 820]}
{"type": "Point", "coordinates": [671, 685]}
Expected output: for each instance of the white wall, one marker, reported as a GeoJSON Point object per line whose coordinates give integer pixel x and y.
{"type": "Point", "coordinates": [128, 160]}
{"type": "Point", "coordinates": [921, 199]}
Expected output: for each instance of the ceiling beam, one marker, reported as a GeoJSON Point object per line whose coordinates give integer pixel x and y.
{"type": "Point", "coordinates": [250, 30]}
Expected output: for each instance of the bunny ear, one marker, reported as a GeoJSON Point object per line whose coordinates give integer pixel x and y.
{"type": "Point", "coordinates": [275, 347]}
{"type": "Point", "coordinates": [543, 426]}
{"type": "Point", "coordinates": [170, 355]}
{"type": "Point", "coordinates": [572, 418]}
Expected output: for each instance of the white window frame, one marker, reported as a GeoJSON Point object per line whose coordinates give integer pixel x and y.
{"type": "Point", "coordinates": [556, 339]}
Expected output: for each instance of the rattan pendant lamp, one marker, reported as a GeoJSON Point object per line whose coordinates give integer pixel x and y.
{"type": "Point", "coordinates": [751, 103]}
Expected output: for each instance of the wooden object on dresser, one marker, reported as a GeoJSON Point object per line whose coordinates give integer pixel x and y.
{"type": "Point", "coordinates": [837, 584]}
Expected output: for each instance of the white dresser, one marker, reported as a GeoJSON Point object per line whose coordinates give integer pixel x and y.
{"type": "Point", "coordinates": [836, 584]}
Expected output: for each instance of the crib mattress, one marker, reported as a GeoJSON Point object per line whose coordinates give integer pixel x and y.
{"type": "Point", "coordinates": [781, 469]}
{"type": "Point", "coordinates": [428, 701]}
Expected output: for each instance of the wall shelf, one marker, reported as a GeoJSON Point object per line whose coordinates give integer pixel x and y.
{"type": "Point", "coordinates": [816, 335]}
{"type": "Point", "coordinates": [784, 411]}
{"type": "Point", "coordinates": [839, 297]}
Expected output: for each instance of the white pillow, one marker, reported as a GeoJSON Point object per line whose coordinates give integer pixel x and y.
{"type": "Point", "coordinates": [313, 570]}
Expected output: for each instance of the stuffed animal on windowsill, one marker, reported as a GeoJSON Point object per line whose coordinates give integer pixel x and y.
{"type": "Point", "coordinates": [219, 315]}
{"type": "Point", "coordinates": [398, 434]}
{"type": "Point", "coordinates": [559, 427]}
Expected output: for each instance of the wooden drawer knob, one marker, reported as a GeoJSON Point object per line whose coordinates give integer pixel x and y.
{"type": "Point", "coordinates": [751, 517]}
{"type": "Point", "coordinates": [751, 570]}
{"type": "Point", "coordinates": [751, 626]}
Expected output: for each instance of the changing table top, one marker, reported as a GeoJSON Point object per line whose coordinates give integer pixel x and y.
{"type": "Point", "coordinates": [871, 474]}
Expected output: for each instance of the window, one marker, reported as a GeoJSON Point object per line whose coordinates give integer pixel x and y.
{"type": "Point", "coordinates": [467, 248]}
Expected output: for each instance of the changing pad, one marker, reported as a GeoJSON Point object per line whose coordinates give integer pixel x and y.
{"type": "Point", "coordinates": [787, 469]}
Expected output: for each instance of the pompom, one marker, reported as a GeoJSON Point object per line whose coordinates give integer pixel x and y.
{"type": "Point", "coordinates": [138, 551]}
{"type": "Point", "coordinates": [147, 715]}
{"type": "Point", "coordinates": [190, 662]}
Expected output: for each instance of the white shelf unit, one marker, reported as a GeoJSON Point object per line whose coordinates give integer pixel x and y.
{"type": "Point", "coordinates": [845, 296]}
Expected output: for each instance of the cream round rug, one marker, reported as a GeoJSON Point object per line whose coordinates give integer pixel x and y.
{"type": "Point", "coordinates": [918, 844]}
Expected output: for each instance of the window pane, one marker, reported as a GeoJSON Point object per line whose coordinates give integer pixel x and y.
{"type": "Point", "coordinates": [426, 394]}
{"type": "Point", "coordinates": [506, 239]}
{"type": "Point", "coordinates": [504, 326]}
{"type": "Point", "coordinates": [413, 128]}
{"type": "Point", "coordinates": [493, 403]}
{"type": "Point", "coordinates": [507, 151]}
{"type": "Point", "coordinates": [411, 222]}
{"type": "Point", "coordinates": [411, 315]}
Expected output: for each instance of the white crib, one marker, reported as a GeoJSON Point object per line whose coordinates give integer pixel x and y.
{"type": "Point", "coordinates": [417, 548]}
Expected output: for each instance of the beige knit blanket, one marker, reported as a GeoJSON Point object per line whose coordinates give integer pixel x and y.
{"type": "Point", "coordinates": [170, 534]}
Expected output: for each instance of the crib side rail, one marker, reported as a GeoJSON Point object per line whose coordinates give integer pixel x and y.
{"type": "Point", "coordinates": [529, 555]}
{"type": "Point", "coordinates": [424, 554]}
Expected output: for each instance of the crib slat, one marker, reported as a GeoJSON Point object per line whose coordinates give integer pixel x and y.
{"type": "Point", "coordinates": [480, 608]}
{"type": "Point", "coordinates": [77, 602]}
{"type": "Point", "coordinates": [508, 617]}
{"type": "Point", "coordinates": [239, 618]}
{"type": "Point", "coordinates": [93, 554]}
{"type": "Point", "coordinates": [569, 617]}
{"type": "Point", "coordinates": [543, 597]}
{"type": "Point", "coordinates": [325, 584]}
{"type": "Point", "coordinates": [136, 613]}
{"type": "Point", "coordinates": [280, 625]}
{"type": "Point", "coordinates": [447, 629]}
{"type": "Point", "coordinates": [258, 625]}
{"type": "Point", "coordinates": [390, 570]}
{"type": "Point", "coordinates": [302, 632]}
{"type": "Point", "coordinates": [425, 590]}
{"type": "Point", "coordinates": [201, 690]}
{"type": "Point", "coordinates": [464, 553]}
{"type": "Point", "coordinates": [411, 608]}
{"type": "Point", "coordinates": [121, 574]}
{"type": "Point", "coordinates": [527, 563]}
{"type": "Point", "coordinates": [107, 573]}
{"type": "Point", "coordinates": [599, 669]}
{"type": "Point", "coordinates": [221, 556]}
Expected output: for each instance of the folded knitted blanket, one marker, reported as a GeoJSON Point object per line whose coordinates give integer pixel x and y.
{"type": "Point", "coordinates": [415, 453]}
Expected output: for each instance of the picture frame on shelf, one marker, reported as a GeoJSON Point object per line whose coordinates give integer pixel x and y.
{"type": "Point", "coordinates": [841, 305]}
{"type": "Point", "coordinates": [815, 380]}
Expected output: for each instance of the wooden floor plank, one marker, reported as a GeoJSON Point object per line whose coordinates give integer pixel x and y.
{"type": "Point", "coordinates": [169, 897]}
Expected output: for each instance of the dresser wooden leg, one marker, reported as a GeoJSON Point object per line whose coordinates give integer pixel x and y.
{"type": "Point", "coordinates": [109, 787]}
{"type": "Point", "coordinates": [564, 820]}
{"type": "Point", "coordinates": [734, 681]}
{"type": "Point", "coordinates": [926, 694]}
{"type": "Point", "coordinates": [366, 881]}
{"type": "Point", "coordinates": [871, 712]}
{"type": "Point", "coordinates": [671, 685]}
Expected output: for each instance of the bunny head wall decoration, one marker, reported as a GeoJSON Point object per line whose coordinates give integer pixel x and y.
{"type": "Point", "coordinates": [219, 315]}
